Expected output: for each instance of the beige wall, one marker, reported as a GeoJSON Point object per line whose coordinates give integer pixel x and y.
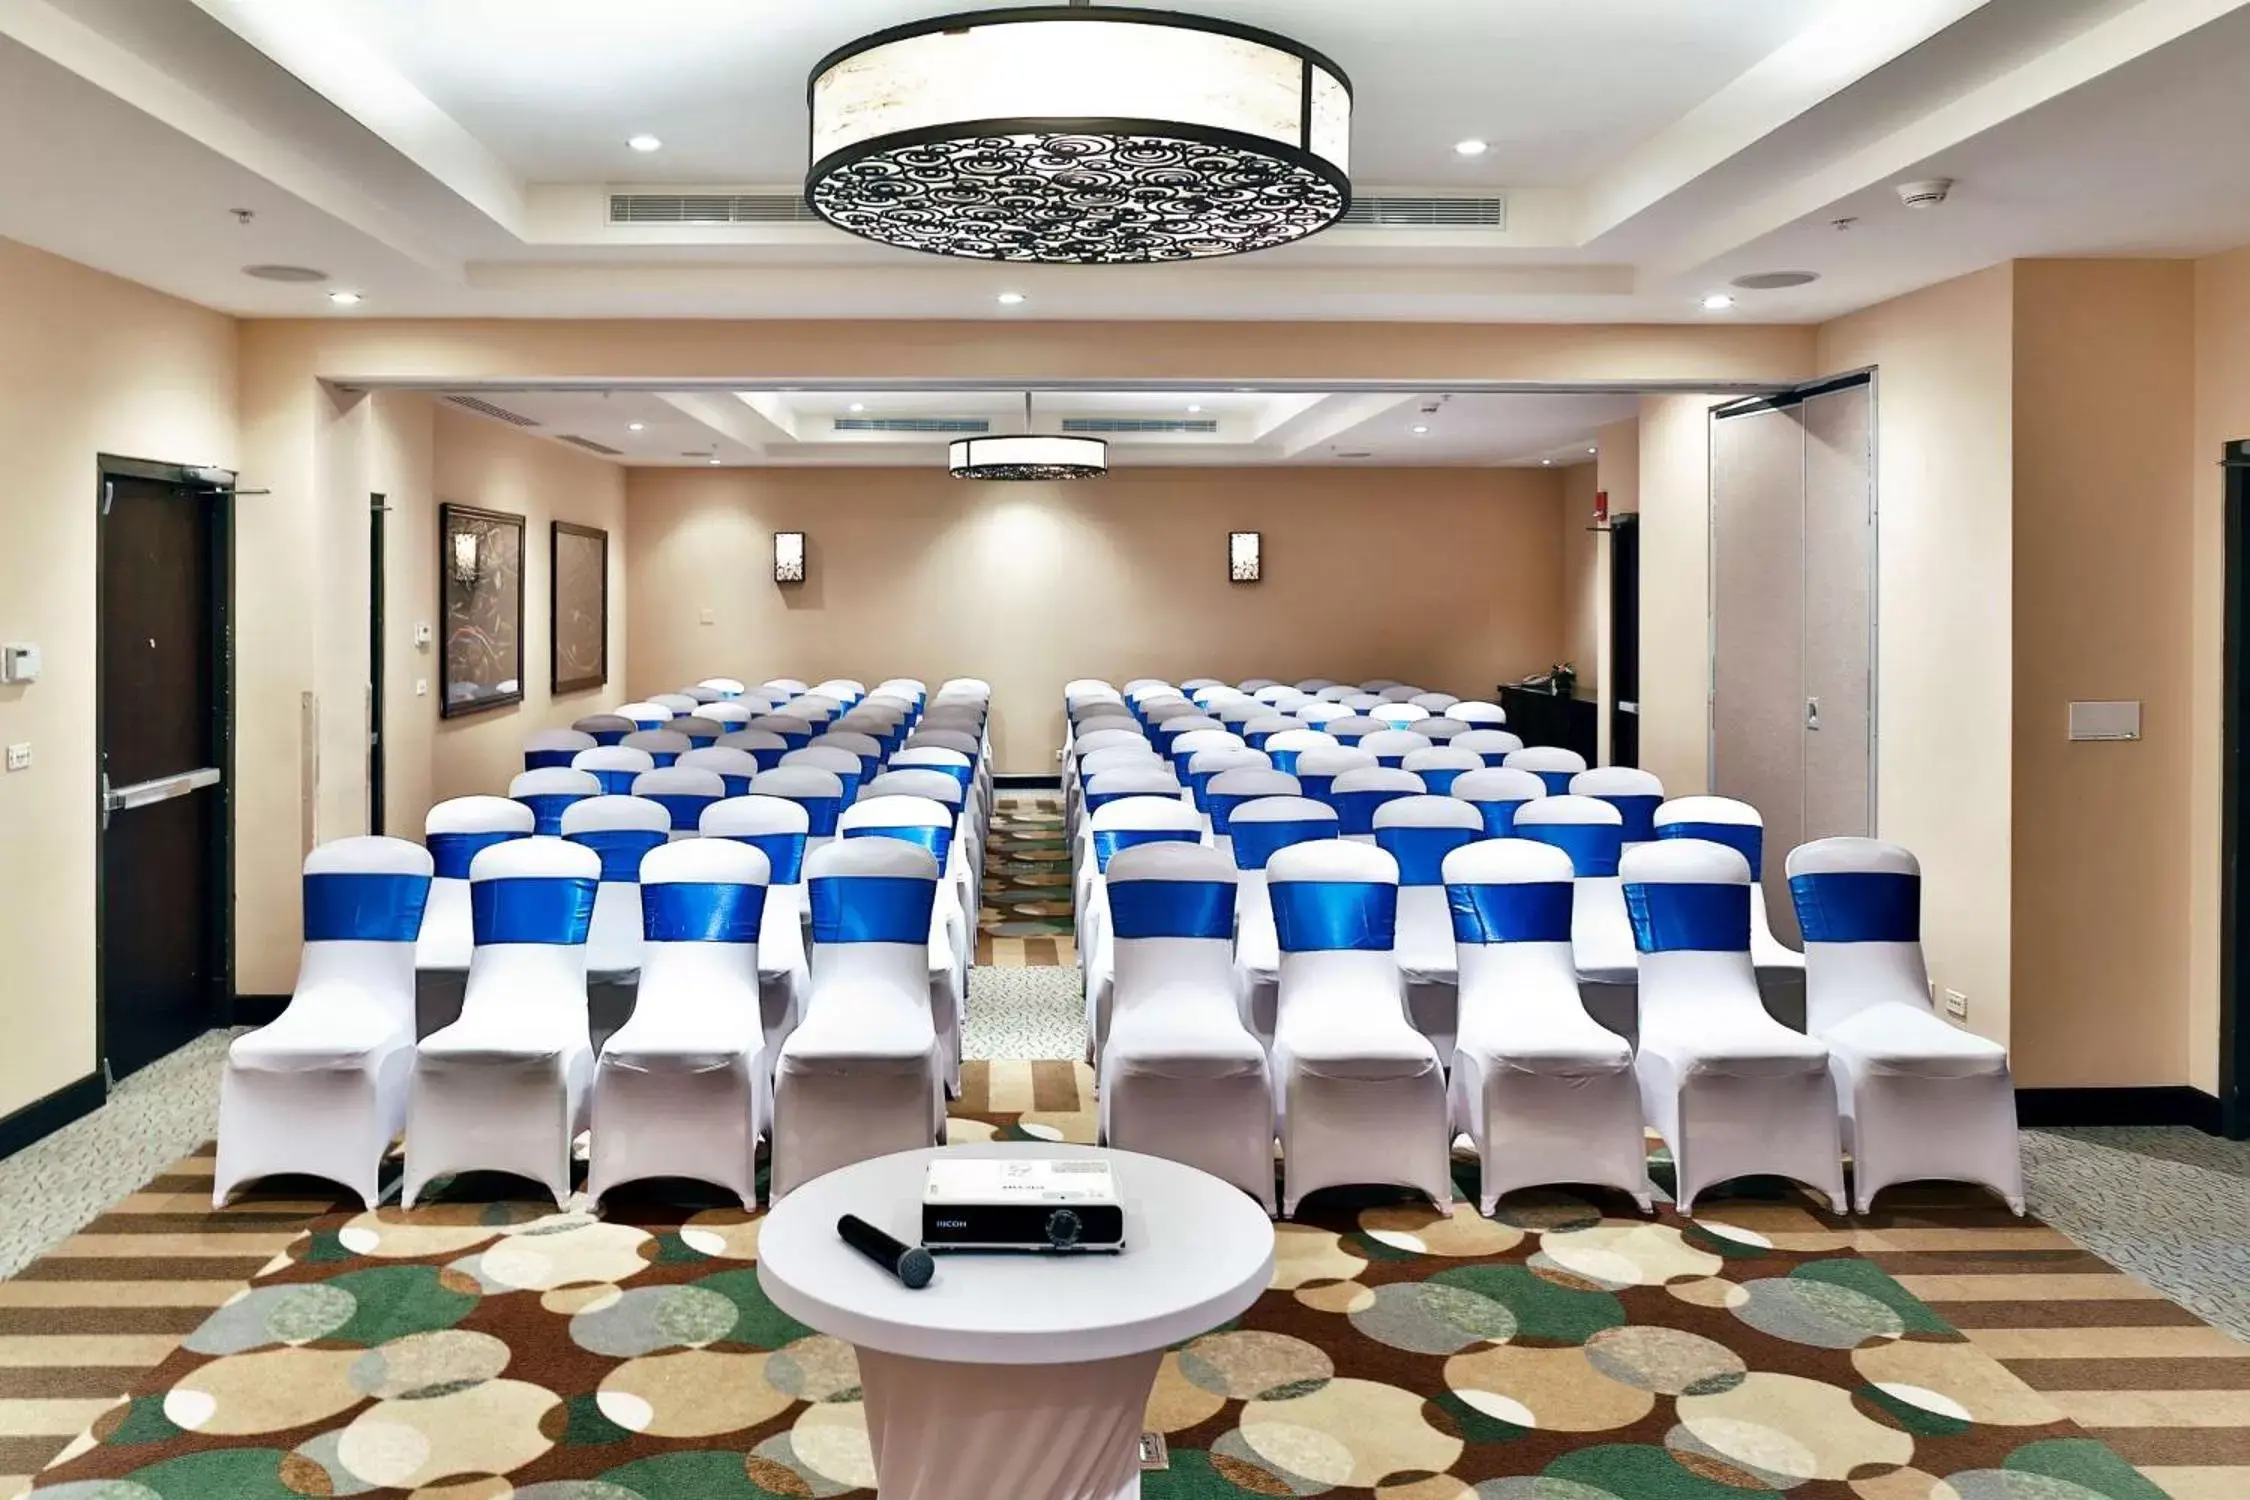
{"type": "Point", "coordinates": [2104, 543]}
{"type": "Point", "coordinates": [1945, 690]}
{"type": "Point", "coordinates": [92, 365]}
{"type": "Point", "coordinates": [1673, 495]}
{"type": "Point", "coordinates": [1446, 577]}
{"type": "Point", "coordinates": [1584, 560]}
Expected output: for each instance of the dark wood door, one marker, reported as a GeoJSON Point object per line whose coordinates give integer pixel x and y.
{"type": "Point", "coordinates": [163, 798]}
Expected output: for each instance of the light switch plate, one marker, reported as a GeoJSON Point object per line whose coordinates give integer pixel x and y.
{"type": "Point", "coordinates": [1957, 1005]}
{"type": "Point", "coordinates": [421, 687]}
{"type": "Point", "coordinates": [423, 634]}
{"type": "Point", "coordinates": [19, 757]}
{"type": "Point", "coordinates": [708, 617]}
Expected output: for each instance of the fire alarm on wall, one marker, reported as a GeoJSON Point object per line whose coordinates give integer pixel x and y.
{"type": "Point", "coordinates": [1601, 507]}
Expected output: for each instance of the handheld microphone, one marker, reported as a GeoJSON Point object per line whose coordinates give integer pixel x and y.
{"type": "Point", "coordinates": [911, 1264]}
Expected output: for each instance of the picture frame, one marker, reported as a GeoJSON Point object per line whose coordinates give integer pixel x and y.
{"type": "Point", "coordinates": [1245, 559]}
{"type": "Point", "coordinates": [480, 594]}
{"type": "Point", "coordinates": [578, 607]}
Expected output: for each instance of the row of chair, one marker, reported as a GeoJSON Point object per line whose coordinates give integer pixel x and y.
{"type": "Point", "coordinates": [699, 899]}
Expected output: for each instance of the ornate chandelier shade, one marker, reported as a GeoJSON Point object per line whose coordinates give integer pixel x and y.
{"type": "Point", "coordinates": [1028, 455]}
{"type": "Point", "coordinates": [1079, 134]}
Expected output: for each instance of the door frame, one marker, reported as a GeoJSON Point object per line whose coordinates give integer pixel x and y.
{"type": "Point", "coordinates": [378, 741]}
{"type": "Point", "coordinates": [220, 497]}
{"type": "Point", "coordinates": [2234, 838]}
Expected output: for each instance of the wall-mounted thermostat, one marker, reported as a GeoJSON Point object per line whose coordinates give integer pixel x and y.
{"type": "Point", "coordinates": [19, 663]}
{"type": "Point", "coordinates": [2105, 721]}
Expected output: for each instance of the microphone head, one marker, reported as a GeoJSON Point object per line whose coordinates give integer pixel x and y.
{"type": "Point", "coordinates": [916, 1267]}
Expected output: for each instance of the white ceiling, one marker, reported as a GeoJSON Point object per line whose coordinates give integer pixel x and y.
{"type": "Point", "coordinates": [792, 428]}
{"type": "Point", "coordinates": [452, 157]}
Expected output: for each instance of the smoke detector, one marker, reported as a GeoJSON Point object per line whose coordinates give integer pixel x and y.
{"type": "Point", "coordinates": [1928, 193]}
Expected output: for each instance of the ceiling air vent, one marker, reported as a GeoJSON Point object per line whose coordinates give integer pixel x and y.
{"type": "Point", "coordinates": [1118, 425]}
{"type": "Point", "coordinates": [485, 408]}
{"type": "Point", "coordinates": [589, 445]}
{"type": "Point", "coordinates": [938, 425]}
{"type": "Point", "coordinates": [709, 208]}
{"type": "Point", "coordinates": [1403, 211]}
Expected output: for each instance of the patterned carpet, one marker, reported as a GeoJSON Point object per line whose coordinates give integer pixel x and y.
{"type": "Point", "coordinates": [1026, 919]}
{"type": "Point", "coordinates": [1940, 1350]}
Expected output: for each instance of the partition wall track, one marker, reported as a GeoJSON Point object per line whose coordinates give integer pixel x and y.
{"type": "Point", "coordinates": [2234, 837]}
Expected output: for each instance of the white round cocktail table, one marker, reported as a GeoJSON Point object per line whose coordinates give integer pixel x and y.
{"type": "Point", "coordinates": [1015, 1377]}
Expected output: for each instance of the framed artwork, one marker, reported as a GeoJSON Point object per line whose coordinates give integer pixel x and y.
{"type": "Point", "coordinates": [1244, 563]}
{"type": "Point", "coordinates": [580, 618]}
{"type": "Point", "coordinates": [480, 571]}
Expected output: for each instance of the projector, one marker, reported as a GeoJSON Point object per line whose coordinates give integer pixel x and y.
{"type": "Point", "coordinates": [1036, 1203]}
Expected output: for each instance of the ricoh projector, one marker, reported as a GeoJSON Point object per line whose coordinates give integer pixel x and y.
{"type": "Point", "coordinates": [1035, 1203]}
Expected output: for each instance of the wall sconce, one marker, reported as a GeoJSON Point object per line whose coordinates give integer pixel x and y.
{"type": "Point", "coordinates": [466, 571]}
{"type": "Point", "coordinates": [788, 557]}
{"type": "Point", "coordinates": [1242, 557]}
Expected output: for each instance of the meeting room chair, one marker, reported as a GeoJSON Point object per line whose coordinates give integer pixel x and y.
{"type": "Point", "coordinates": [729, 716]}
{"type": "Point", "coordinates": [1601, 934]}
{"type": "Point", "coordinates": [647, 714]}
{"type": "Point", "coordinates": [1318, 769]}
{"type": "Point", "coordinates": [844, 765]}
{"type": "Point", "coordinates": [728, 688]}
{"type": "Point", "coordinates": [698, 731]}
{"type": "Point", "coordinates": [1440, 766]}
{"type": "Point", "coordinates": [1337, 692]}
{"type": "Point", "coordinates": [1260, 728]}
{"type": "Point", "coordinates": [1317, 714]}
{"type": "Point", "coordinates": [1546, 1093]}
{"type": "Point", "coordinates": [1479, 715]}
{"type": "Point", "coordinates": [1352, 728]}
{"type": "Point", "coordinates": [859, 1077]}
{"type": "Point", "coordinates": [1363, 703]}
{"type": "Point", "coordinates": [1399, 715]}
{"type": "Point", "coordinates": [621, 831]}
{"type": "Point", "coordinates": [455, 832]}
{"type": "Point", "coordinates": [683, 792]}
{"type": "Point", "coordinates": [1550, 763]}
{"type": "Point", "coordinates": [1231, 789]}
{"type": "Point", "coordinates": [1733, 1092]}
{"type": "Point", "coordinates": [1418, 832]}
{"type": "Point", "coordinates": [547, 792]}
{"type": "Point", "coordinates": [322, 1089]}
{"type": "Point", "coordinates": [1920, 1099]}
{"type": "Point", "coordinates": [1211, 763]}
{"type": "Point", "coordinates": [1284, 748]}
{"type": "Point", "coordinates": [820, 793]}
{"type": "Point", "coordinates": [1398, 692]}
{"type": "Point", "coordinates": [1314, 684]}
{"type": "Point", "coordinates": [1636, 795]}
{"type": "Point", "coordinates": [1361, 1093]}
{"type": "Point", "coordinates": [616, 767]}
{"type": "Point", "coordinates": [763, 744]}
{"type": "Point", "coordinates": [605, 729]}
{"type": "Point", "coordinates": [504, 1087]}
{"type": "Point", "coordinates": [702, 695]}
{"type": "Point", "coordinates": [1492, 746]}
{"type": "Point", "coordinates": [929, 825]}
{"type": "Point", "coordinates": [795, 733]}
{"type": "Point", "coordinates": [1497, 793]}
{"type": "Point", "coordinates": [1118, 826]}
{"type": "Point", "coordinates": [1390, 747]}
{"type": "Point", "coordinates": [867, 747]}
{"type": "Point", "coordinates": [1181, 1077]}
{"type": "Point", "coordinates": [680, 704]}
{"type": "Point", "coordinates": [1723, 820]}
{"type": "Point", "coordinates": [553, 748]}
{"type": "Point", "coordinates": [733, 765]}
{"type": "Point", "coordinates": [1185, 747]}
{"type": "Point", "coordinates": [663, 746]}
{"type": "Point", "coordinates": [1435, 703]}
{"type": "Point", "coordinates": [776, 828]}
{"type": "Point", "coordinates": [1357, 794]}
{"type": "Point", "coordinates": [1439, 731]}
{"type": "Point", "coordinates": [676, 1088]}
{"type": "Point", "coordinates": [789, 687]}
{"type": "Point", "coordinates": [1265, 825]}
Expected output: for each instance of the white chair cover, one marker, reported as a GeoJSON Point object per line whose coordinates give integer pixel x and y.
{"type": "Point", "coordinates": [1397, 692]}
{"type": "Point", "coordinates": [702, 695]}
{"type": "Point", "coordinates": [548, 791]}
{"type": "Point", "coordinates": [1181, 1077]}
{"type": "Point", "coordinates": [776, 827]}
{"type": "Point", "coordinates": [683, 792]}
{"type": "Point", "coordinates": [1269, 823]}
{"type": "Point", "coordinates": [1480, 714]}
{"type": "Point", "coordinates": [1440, 766]}
{"type": "Point", "coordinates": [1418, 832]}
{"type": "Point", "coordinates": [1229, 790]}
{"type": "Point", "coordinates": [859, 1076]}
{"type": "Point", "coordinates": [1399, 715]}
{"type": "Point", "coordinates": [1361, 1092]}
{"type": "Point", "coordinates": [1186, 746]}
{"type": "Point", "coordinates": [616, 767]}
{"type": "Point", "coordinates": [1285, 747]}
{"type": "Point", "coordinates": [1493, 746]}
{"type": "Point", "coordinates": [1921, 1099]}
{"type": "Point", "coordinates": [1318, 714]}
{"type": "Point", "coordinates": [604, 729]}
{"type": "Point", "coordinates": [664, 746]}
{"type": "Point", "coordinates": [1212, 763]}
{"type": "Point", "coordinates": [1314, 684]}
{"type": "Point", "coordinates": [964, 861]}
{"type": "Point", "coordinates": [322, 1090]}
{"type": "Point", "coordinates": [680, 703]}
{"type": "Point", "coordinates": [727, 688]}
{"type": "Point", "coordinates": [456, 831]}
{"type": "Point", "coordinates": [1722, 820]}
{"type": "Point", "coordinates": [645, 715]}
{"type": "Point", "coordinates": [763, 744]}
{"type": "Point", "coordinates": [699, 732]}
{"type": "Point", "coordinates": [1601, 934]}
{"type": "Point", "coordinates": [1120, 825]}
{"type": "Point", "coordinates": [730, 716]}
{"type": "Point", "coordinates": [1317, 770]}
{"type": "Point", "coordinates": [1376, 685]}
{"type": "Point", "coordinates": [927, 823]}
{"type": "Point", "coordinates": [1259, 728]}
{"type": "Point", "coordinates": [795, 733]}
{"type": "Point", "coordinates": [504, 1088]}
{"type": "Point", "coordinates": [1436, 703]}
{"type": "Point", "coordinates": [1357, 794]}
{"type": "Point", "coordinates": [1497, 793]}
{"type": "Point", "coordinates": [733, 765]}
{"type": "Point", "coordinates": [1353, 727]}
{"type": "Point", "coordinates": [554, 747]}
{"type": "Point", "coordinates": [1551, 764]}
{"type": "Point", "coordinates": [621, 831]}
{"type": "Point", "coordinates": [1546, 1094]}
{"type": "Point", "coordinates": [1636, 795]}
{"type": "Point", "coordinates": [867, 748]}
{"type": "Point", "coordinates": [1363, 702]}
{"type": "Point", "coordinates": [1390, 747]}
{"type": "Point", "coordinates": [1438, 731]}
{"type": "Point", "coordinates": [1732, 1091]}
{"type": "Point", "coordinates": [820, 793]}
{"type": "Point", "coordinates": [677, 1088]}
{"type": "Point", "coordinates": [789, 687]}
{"type": "Point", "coordinates": [1336, 692]}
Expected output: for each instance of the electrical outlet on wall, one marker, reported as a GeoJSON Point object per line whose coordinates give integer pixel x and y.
{"type": "Point", "coordinates": [1956, 1005]}
{"type": "Point", "coordinates": [708, 617]}
{"type": "Point", "coordinates": [19, 757]}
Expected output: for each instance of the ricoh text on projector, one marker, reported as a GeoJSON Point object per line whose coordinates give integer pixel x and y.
{"type": "Point", "coordinates": [997, 1204]}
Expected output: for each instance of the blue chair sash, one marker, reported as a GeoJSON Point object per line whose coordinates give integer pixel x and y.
{"type": "Point", "coordinates": [664, 758]}
{"type": "Point", "coordinates": [1335, 916]}
{"type": "Point", "coordinates": [1392, 762]}
{"type": "Point", "coordinates": [1495, 757]}
{"type": "Point", "coordinates": [453, 853]}
{"type": "Point", "coordinates": [364, 908]}
{"type": "Point", "coordinates": [939, 841]}
{"type": "Point", "coordinates": [1557, 782]}
{"type": "Point", "coordinates": [1499, 818]}
{"type": "Point", "coordinates": [1171, 909]}
{"type": "Point", "coordinates": [1319, 788]}
{"type": "Point", "coordinates": [616, 783]}
{"type": "Point", "coordinates": [1351, 734]}
{"type": "Point", "coordinates": [1222, 806]}
{"type": "Point", "coordinates": [1748, 839]}
{"type": "Point", "coordinates": [698, 912]}
{"type": "Point", "coordinates": [702, 741]}
{"type": "Point", "coordinates": [1671, 917]}
{"type": "Point", "coordinates": [550, 760]}
{"type": "Point", "coordinates": [621, 851]}
{"type": "Point", "coordinates": [1258, 740]}
{"type": "Point", "coordinates": [647, 724]}
{"type": "Point", "coordinates": [851, 780]}
{"type": "Point", "coordinates": [531, 909]}
{"type": "Point", "coordinates": [1639, 813]}
{"type": "Point", "coordinates": [1356, 810]}
{"type": "Point", "coordinates": [1284, 761]}
{"type": "Point", "coordinates": [1535, 912]}
{"type": "Point", "coordinates": [1858, 906]}
{"type": "Point", "coordinates": [1421, 852]}
{"type": "Point", "coordinates": [1439, 782]}
{"type": "Point", "coordinates": [1107, 841]}
{"type": "Point", "coordinates": [785, 855]}
{"type": "Point", "coordinates": [961, 774]}
{"type": "Point", "coordinates": [609, 736]}
{"type": "Point", "coordinates": [686, 808]}
{"type": "Point", "coordinates": [823, 811]}
{"type": "Point", "coordinates": [737, 786]}
{"type": "Point", "coordinates": [1257, 839]}
{"type": "Point", "coordinates": [872, 908]}
{"type": "Point", "coordinates": [547, 810]}
{"type": "Point", "coordinates": [1593, 848]}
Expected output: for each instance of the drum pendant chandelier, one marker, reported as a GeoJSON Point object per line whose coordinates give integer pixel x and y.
{"type": "Point", "coordinates": [1029, 455]}
{"type": "Point", "coordinates": [1081, 134]}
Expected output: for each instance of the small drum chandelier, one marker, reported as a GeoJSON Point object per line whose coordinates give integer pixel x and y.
{"type": "Point", "coordinates": [1080, 134]}
{"type": "Point", "coordinates": [1028, 455]}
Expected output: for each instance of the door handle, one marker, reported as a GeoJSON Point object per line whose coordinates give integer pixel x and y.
{"type": "Point", "coordinates": [1812, 713]}
{"type": "Point", "coordinates": [149, 793]}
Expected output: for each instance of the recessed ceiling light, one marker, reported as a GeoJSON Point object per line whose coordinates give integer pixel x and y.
{"type": "Point", "coordinates": [636, 426]}
{"type": "Point", "coordinates": [1420, 430]}
{"type": "Point", "coordinates": [345, 299]}
{"type": "Point", "coordinates": [1011, 299]}
{"type": "Point", "coordinates": [1776, 281]}
{"type": "Point", "coordinates": [1471, 147]}
{"type": "Point", "coordinates": [645, 143]}
{"type": "Point", "coordinates": [1717, 302]}
{"type": "Point", "coordinates": [1193, 408]}
{"type": "Point", "coordinates": [1593, 450]}
{"type": "Point", "coordinates": [859, 406]}
{"type": "Point", "coordinates": [714, 463]}
{"type": "Point", "coordinates": [1544, 462]}
{"type": "Point", "coordinates": [284, 273]}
